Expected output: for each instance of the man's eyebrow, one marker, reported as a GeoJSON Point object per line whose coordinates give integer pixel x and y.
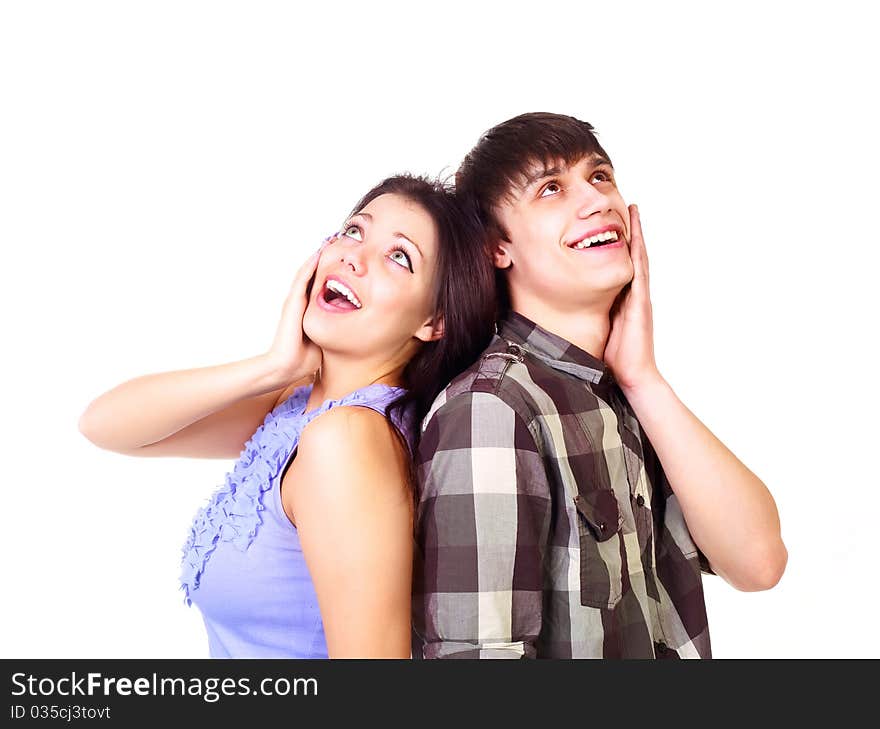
{"type": "Point", "coordinates": [397, 234]}
{"type": "Point", "coordinates": [530, 178]}
{"type": "Point", "coordinates": [537, 174]}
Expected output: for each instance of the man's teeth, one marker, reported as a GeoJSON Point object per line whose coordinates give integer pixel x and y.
{"type": "Point", "coordinates": [599, 238]}
{"type": "Point", "coordinates": [342, 289]}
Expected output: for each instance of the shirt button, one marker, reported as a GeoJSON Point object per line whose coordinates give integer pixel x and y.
{"type": "Point", "coordinates": [662, 647]}
{"type": "Point", "coordinates": [640, 500]}
{"type": "Point", "coordinates": [601, 526]}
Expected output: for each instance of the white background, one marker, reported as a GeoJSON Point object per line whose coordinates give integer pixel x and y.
{"type": "Point", "coordinates": [166, 166]}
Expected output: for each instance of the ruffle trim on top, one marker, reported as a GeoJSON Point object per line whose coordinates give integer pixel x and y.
{"type": "Point", "coordinates": [232, 513]}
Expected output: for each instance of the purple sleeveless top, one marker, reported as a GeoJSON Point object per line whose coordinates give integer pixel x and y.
{"type": "Point", "coordinates": [242, 563]}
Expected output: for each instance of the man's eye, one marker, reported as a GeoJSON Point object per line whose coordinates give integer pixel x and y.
{"type": "Point", "coordinates": [600, 177]}
{"type": "Point", "coordinates": [551, 189]}
{"type": "Point", "coordinates": [400, 258]}
{"type": "Point", "coordinates": [353, 231]}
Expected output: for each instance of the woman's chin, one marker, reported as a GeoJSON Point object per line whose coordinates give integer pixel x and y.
{"type": "Point", "coordinates": [328, 335]}
{"type": "Point", "coordinates": [316, 332]}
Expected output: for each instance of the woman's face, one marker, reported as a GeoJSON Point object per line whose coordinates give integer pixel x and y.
{"type": "Point", "coordinates": [373, 288]}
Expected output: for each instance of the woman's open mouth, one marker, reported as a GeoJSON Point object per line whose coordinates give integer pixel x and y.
{"type": "Point", "coordinates": [336, 296]}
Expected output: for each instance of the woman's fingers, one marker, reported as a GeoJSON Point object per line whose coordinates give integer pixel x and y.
{"type": "Point", "coordinates": [290, 346]}
{"type": "Point", "coordinates": [306, 270]}
{"type": "Point", "coordinates": [299, 289]}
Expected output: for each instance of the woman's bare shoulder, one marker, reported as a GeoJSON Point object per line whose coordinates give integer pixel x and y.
{"type": "Point", "coordinates": [361, 430]}
{"type": "Point", "coordinates": [356, 443]}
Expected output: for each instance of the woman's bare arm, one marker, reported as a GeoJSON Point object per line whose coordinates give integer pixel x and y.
{"type": "Point", "coordinates": [208, 412]}
{"type": "Point", "coordinates": [348, 492]}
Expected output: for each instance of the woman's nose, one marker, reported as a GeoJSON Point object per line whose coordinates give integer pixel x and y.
{"type": "Point", "coordinates": [353, 257]}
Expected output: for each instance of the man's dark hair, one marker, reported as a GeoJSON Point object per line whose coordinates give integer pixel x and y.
{"type": "Point", "coordinates": [503, 157]}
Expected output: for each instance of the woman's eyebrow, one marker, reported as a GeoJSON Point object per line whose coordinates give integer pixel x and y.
{"type": "Point", "coordinates": [397, 234]}
{"type": "Point", "coordinates": [411, 242]}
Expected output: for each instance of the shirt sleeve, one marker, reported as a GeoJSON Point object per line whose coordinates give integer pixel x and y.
{"type": "Point", "coordinates": [483, 520]}
{"type": "Point", "coordinates": [674, 520]}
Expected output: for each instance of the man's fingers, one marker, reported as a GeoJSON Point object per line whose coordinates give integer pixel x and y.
{"type": "Point", "coordinates": [637, 245]}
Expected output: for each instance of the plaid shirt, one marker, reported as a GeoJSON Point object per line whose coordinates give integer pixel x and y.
{"type": "Point", "coordinates": [546, 525]}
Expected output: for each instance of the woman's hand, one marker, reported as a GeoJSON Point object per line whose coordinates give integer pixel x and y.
{"type": "Point", "coordinates": [293, 354]}
{"type": "Point", "coordinates": [207, 412]}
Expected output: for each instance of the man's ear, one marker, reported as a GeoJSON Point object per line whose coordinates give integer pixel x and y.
{"type": "Point", "coordinates": [501, 254]}
{"type": "Point", "coordinates": [431, 330]}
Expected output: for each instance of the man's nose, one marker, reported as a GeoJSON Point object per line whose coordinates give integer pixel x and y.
{"type": "Point", "coordinates": [591, 200]}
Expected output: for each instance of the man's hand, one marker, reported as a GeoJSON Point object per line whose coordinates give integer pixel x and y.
{"type": "Point", "coordinates": [630, 348]}
{"type": "Point", "coordinates": [729, 512]}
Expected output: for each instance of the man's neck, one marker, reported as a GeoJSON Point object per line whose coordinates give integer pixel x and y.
{"type": "Point", "coordinates": [587, 328]}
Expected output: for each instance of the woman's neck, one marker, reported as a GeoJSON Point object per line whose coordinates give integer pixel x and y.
{"type": "Point", "coordinates": [339, 377]}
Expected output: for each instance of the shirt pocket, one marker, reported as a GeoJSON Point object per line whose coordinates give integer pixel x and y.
{"type": "Point", "coordinates": [599, 535]}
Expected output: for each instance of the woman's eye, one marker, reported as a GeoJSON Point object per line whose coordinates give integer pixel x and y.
{"type": "Point", "coordinates": [353, 231]}
{"type": "Point", "coordinates": [551, 189]}
{"type": "Point", "coordinates": [400, 258]}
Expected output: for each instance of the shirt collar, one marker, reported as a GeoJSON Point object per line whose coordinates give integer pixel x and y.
{"type": "Point", "coordinates": [552, 349]}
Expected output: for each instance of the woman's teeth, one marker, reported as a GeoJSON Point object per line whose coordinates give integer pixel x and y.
{"type": "Point", "coordinates": [343, 290]}
{"type": "Point", "coordinates": [608, 235]}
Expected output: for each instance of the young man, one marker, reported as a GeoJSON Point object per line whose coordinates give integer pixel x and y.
{"type": "Point", "coordinates": [568, 500]}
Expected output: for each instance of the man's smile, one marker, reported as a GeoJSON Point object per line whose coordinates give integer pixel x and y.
{"type": "Point", "coordinates": [606, 236]}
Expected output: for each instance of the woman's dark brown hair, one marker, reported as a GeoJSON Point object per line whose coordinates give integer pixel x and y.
{"type": "Point", "coordinates": [464, 295]}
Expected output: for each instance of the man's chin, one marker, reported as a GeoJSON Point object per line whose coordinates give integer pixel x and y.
{"type": "Point", "coordinates": [612, 282]}
{"type": "Point", "coordinates": [605, 295]}
{"type": "Point", "coordinates": [597, 300]}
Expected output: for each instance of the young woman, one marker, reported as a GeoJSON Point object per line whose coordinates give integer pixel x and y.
{"type": "Point", "coordinates": [306, 549]}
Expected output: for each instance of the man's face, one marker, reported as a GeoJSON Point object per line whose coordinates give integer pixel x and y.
{"type": "Point", "coordinates": [569, 234]}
